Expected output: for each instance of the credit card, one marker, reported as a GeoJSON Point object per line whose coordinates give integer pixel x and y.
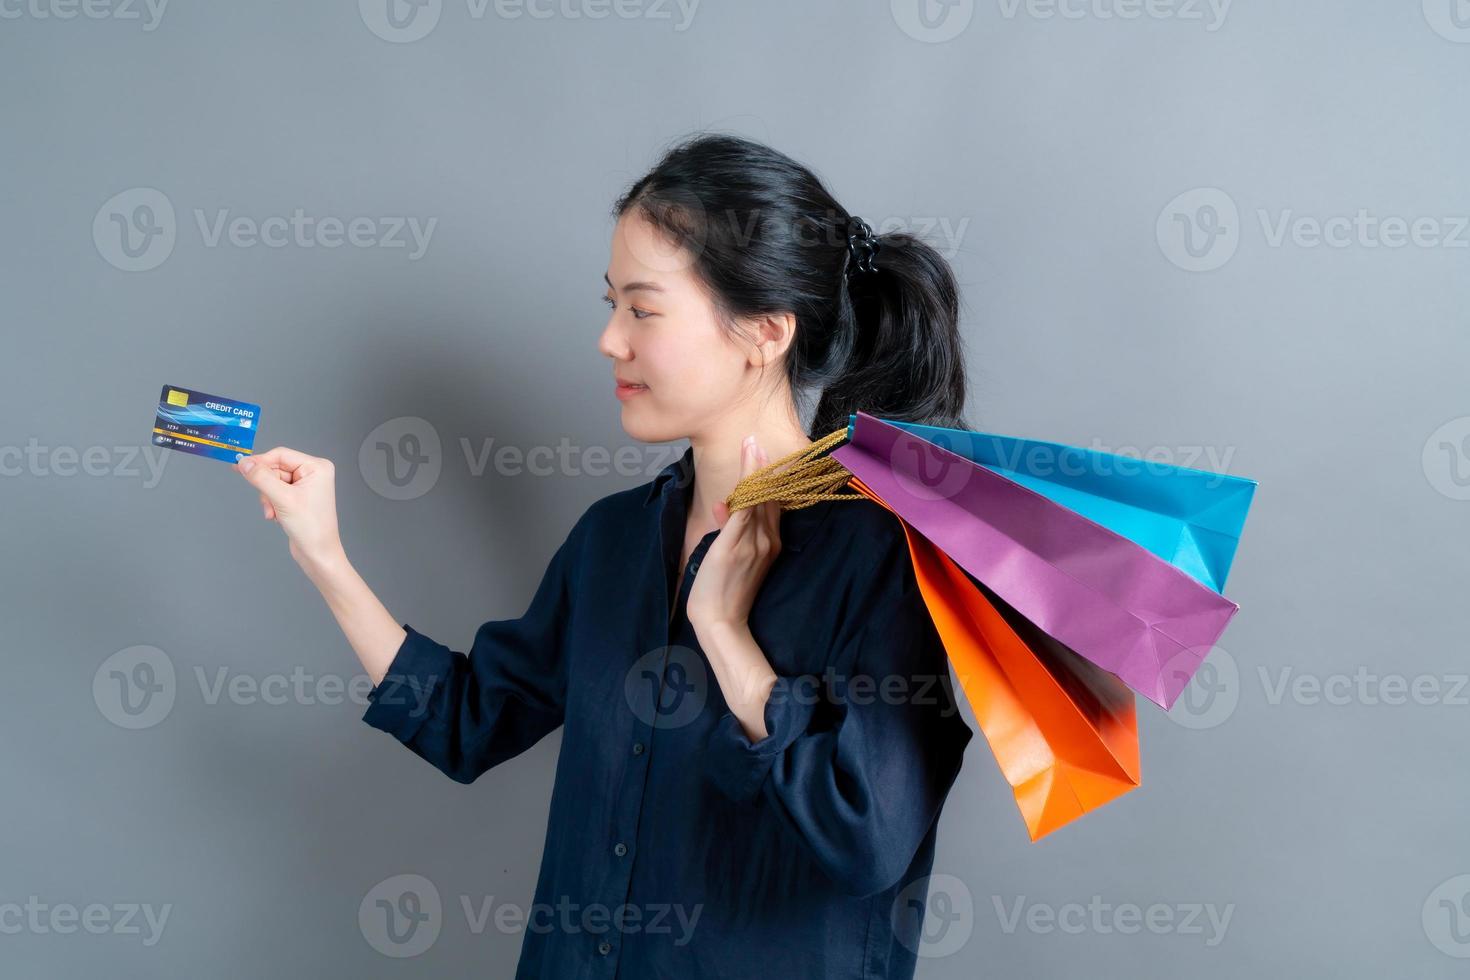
{"type": "Point", "coordinates": [205, 425]}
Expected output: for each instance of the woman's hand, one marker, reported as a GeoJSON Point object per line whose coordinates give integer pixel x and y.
{"type": "Point", "coordinates": [298, 492]}
{"type": "Point", "coordinates": [738, 558]}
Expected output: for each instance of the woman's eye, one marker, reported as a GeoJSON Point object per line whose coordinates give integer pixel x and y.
{"type": "Point", "coordinates": [637, 313]}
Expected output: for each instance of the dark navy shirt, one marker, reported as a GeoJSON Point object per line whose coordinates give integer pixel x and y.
{"type": "Point", "coordinates": [676, 848]}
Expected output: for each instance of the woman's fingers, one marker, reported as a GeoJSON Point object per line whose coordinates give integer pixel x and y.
{"type": "Point", "coordinates": [771, 510]}
{"type": "Point", "coordinates": [268, 471]}
{"type": "Point", "coordinates": [763, 519]}
{"type": "Point", "coordinates": [281, 457]}
{"type": "Point", "coordinates": [737, 521]}
{"type": "Point", "coordinates": [747, 456]}
{"type": "Point", "coordinates": [265, 475]}
{"type": "Point", "coordinates": [296, 491]}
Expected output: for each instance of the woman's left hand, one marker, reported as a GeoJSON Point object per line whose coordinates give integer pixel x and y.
{"type": "Point", "coordinates": [739, 557]}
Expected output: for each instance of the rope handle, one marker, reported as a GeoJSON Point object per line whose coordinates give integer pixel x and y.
{"type": "Point", "coordinates": [809, 478]}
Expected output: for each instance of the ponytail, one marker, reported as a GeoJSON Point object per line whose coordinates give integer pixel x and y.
{"type": "Point", "coordinates": [899, 353]}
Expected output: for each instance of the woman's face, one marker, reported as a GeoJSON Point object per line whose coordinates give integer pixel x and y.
{"type": "Point", "coordinates": [662, 333]}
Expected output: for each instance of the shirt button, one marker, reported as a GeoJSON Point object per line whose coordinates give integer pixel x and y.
{"type": "Point", "coordinates": [604, 947]}
{"type": "Point", "coordinates": [620, 849]}
{"type": "Point", "coordinates": [637, 748]}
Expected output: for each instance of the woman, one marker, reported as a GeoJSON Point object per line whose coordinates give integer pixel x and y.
{"type": "Point", "coordinates": [759, 729]}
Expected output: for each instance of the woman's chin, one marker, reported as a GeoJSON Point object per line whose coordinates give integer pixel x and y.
{"type": "Point", "coordinates": [644, 429]}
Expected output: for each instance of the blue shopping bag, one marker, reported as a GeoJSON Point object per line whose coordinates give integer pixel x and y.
{"type": "Point", "coordinates": [1190, 518]}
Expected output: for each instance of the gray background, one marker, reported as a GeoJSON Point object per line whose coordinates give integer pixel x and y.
{"type": "Point", "coordinates": [1334, 834]}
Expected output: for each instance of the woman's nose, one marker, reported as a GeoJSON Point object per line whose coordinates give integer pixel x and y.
{"type": "Point", "coordinates": [611, 343]}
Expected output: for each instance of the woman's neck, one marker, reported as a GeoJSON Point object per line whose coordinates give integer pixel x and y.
{"type": "Point", "coordinates": [717, 464]}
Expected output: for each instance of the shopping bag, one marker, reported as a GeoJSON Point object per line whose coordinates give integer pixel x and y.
{"type": "Point", "coordinates": [1189, 517]}
{"type": "Point", "coordinates": [1098, 593]}
{"type": "Point", "coordinates": [1063, 731]}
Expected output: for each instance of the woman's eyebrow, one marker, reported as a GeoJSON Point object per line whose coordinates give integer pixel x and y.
{"type": "Point", "coordinates": [634, 287]}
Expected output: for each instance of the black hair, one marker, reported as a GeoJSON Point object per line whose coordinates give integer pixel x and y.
{"type": "Point", "coordinates": [766, 236]}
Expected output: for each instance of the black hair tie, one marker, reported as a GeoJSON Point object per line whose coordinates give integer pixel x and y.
{"type": "Point", "coordinates": [862, 246]}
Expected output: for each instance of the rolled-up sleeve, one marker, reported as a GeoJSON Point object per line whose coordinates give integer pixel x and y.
{"type": "Point", "coordinates": [467, 712]}
{"type": "Point", "coordinates": [861, 780]}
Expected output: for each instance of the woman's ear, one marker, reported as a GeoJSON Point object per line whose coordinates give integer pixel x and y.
{"type": "Point", "coordinates": [774, 334]}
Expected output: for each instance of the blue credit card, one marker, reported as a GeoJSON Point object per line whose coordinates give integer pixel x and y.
{"type": "Point", "coordinates": [205, 425]}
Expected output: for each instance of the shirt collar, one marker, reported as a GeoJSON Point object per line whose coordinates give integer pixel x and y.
{"type": "Point", "coordinates": [681, 468]}
{"type": "Point", "coordinates": [796, 525]}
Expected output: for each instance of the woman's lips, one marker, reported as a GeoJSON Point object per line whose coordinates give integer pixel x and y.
{"type": "Point", "coordinates": [628, 391]}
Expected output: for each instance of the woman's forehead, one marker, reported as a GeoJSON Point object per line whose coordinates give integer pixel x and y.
{"type": "Point", "coordinates": [642, 253]}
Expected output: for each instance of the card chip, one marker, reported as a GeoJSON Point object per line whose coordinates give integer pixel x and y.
{"type": "Point", "coordinates": [177, 398]}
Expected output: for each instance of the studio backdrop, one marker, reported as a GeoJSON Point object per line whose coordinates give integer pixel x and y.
{"type": "Point", "coordinates": [1223, 235]}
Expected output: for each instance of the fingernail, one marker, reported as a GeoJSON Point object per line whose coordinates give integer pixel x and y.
{"type": "Point", "coordinates": [247, 464]}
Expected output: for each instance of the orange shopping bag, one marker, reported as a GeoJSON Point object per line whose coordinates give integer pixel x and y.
{"type": "Point", "coordinates": [1063, 730]}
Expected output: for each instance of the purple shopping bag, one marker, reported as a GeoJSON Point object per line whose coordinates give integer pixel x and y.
{"type": "Point", "coordinates": [1111, 601]}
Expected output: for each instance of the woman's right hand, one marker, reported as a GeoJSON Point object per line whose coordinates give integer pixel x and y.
{"type": "Point", "coordinates": [298, 492]}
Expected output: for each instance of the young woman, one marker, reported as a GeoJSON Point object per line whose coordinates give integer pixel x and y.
{"type": "Point", "coordinates": [759, 731]}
